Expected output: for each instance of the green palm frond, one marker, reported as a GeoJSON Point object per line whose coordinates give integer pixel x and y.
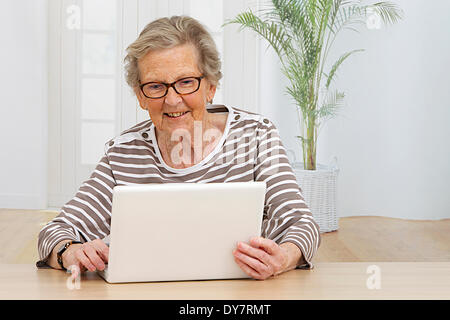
{"type": "Point", "coordinates": [387, 11]}
{"type": "Point", "coordinates": [337, 64]}
{"type": "Point", "coordinates": [332, 103]}
{"type": "Point", "coordinates": [275, 35]}
{"type": "Point", "coordinates": [302, 33]}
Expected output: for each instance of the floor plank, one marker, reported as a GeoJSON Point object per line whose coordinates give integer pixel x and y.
{"type": "Point", "coordinates": [367, 239]}
{"type": "Point", "coordinates": [19, 230]}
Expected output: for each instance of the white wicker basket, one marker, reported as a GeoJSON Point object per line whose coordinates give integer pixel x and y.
{"type": "Point", "coordinates": [319, 190]}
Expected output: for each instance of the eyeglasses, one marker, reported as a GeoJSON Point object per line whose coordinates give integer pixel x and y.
{"type": "Point", "coordinates": [156, 90]}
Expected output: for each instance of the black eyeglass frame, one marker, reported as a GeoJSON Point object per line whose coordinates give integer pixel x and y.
{"type": "Point", "coordinates": [171, 85]}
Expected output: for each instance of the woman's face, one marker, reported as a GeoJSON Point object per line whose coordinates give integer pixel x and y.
{"type": "Point", "coordinates": [170, 65]}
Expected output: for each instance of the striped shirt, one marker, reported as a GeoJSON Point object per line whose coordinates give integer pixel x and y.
{"type": "Point", "coordinates": [250, 149]}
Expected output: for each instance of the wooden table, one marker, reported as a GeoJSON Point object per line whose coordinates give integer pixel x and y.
{"type": "Point", "coordinates": [340, 280]}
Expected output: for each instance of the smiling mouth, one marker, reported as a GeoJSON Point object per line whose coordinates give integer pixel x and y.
{"type": "Point", "coordinates": [176, 114]}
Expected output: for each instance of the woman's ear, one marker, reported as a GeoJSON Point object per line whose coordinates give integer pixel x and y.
{"type": "Point", "coordinates": [211, 93]}
{"type": "Point", "coordinates": [140, 98]}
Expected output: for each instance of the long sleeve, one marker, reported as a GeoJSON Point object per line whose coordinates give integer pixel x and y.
{"type": "Point", "coordinates": [287, 217]}
{"type": "Point", "coordinates": [87, 216]}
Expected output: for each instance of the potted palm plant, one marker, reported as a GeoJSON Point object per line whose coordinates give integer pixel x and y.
{"type": "Point", "coordinates": [302, 32]}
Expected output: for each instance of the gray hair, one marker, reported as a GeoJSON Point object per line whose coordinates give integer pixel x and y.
{"type": "Point", "coordinates": [165, 33]}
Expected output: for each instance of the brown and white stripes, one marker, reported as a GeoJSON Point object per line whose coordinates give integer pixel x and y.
{"type": "Point", "coordinates": [250, 149]}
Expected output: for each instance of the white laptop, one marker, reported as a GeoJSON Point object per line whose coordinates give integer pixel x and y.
{"type": "Point", "coordinates": [181, 231]}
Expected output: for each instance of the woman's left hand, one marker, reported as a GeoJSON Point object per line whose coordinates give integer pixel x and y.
{"type": "Point", "coordinates": [261, 258]}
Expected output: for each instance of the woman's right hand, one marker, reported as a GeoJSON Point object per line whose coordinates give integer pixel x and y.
{"type": "Point", "coordinates": [92, 255]}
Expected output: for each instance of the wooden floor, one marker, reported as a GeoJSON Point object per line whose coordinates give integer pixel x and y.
{"type": "Point", "coordinates": [359, 239]}
{"type": "Point", "coordinates": [367, 239]}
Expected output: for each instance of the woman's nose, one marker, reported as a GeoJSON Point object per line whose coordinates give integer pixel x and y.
{"type": "Point", "coordinates": [172, 97]}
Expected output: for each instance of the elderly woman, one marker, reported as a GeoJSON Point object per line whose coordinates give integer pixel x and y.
{"type": "Point", "coordinates": [174, 69]}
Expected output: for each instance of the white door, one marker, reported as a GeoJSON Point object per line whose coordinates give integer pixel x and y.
{"type": "Point", "coordinates": [89, 100]}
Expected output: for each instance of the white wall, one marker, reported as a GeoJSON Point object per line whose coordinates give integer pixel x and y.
{"type": "Point", "coordinates": [392, 137]}
{"type": "Point", "coordinates": [23, 106]}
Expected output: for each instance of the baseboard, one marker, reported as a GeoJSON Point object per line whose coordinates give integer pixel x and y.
{"type": "Point", "coordinates": [400, 216]}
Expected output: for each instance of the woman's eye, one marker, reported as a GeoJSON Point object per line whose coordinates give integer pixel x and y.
{"type": "Point", "coordinates": [186, 82]}
{"type": "Point", "coordinates": [155, 86]}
